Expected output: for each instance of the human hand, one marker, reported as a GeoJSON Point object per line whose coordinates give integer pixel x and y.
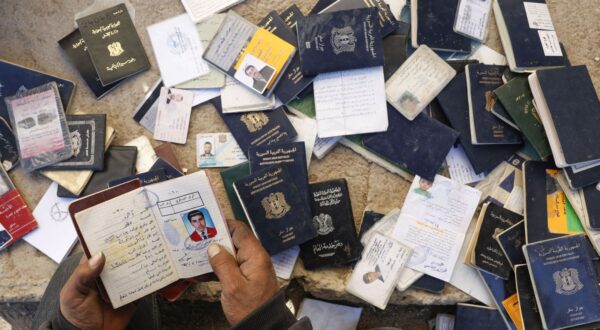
{"type": "Point", "coordinates": [81, 304]}
{"type": "Point", "coordinates": [248, 282]}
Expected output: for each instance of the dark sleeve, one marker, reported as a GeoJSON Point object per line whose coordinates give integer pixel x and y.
{"type": "Point", "coordinates": [274, 314]}
{"type": "Point", "coordinates": [58, 323]}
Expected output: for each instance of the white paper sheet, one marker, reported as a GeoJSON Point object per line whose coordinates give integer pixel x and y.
{"type": "Point", "coordinates": [460, 167]}
{"type": "Point", "coordinates": [325, 145]}
{"type": "Point", "coordinates": [173, 116]}
{"type": "Point", "coordinates": [472, 18]}
{"type": "Point", "coordinates": [307, 133]}
{"type": "Point", "coordinates": [201, 9]}
{"type": "Point", "coordinates": [285, 261]}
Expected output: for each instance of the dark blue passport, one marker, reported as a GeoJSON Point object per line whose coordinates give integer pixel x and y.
{"type": "Point", "coordinates": [421, 145]}
{"type": "Point", "coordinates": [341, 40]}
{"type": "Point", "coordinates": [454, 103]}
{"type": "Point", "coordinates": [565, 281]}
{"type": "Point", "coordinates": [537, 183]}
{"type": "Point", "coordinates": [486, 128]}
{"type": "Point", "coordinates": [575, 109]}
{"type": "Point", "coordinates": [475, 317]}
{"type": "Point", "coordinates": [9, 156]}
{"type": "Point", "coordinates": [511, 241]}
{"type": "Point", "coordinates": [290, 16]}
{"type": "Point", "coordinates": [293, 82]}
{"type": "Point", "coordinates": [525, 42]}
{"type": "Point", "coordinates": [369, 218]}
{"type": "Point", "coordinates": [592, 205]}
{"type": "Point", "coordinates": [429, 284]}
{"type": "Point", "coordinates": [434, 26]}
{"type": "Point", "coordinates": [530, 312]}
{"type": "Point", "coordinates": [171, 171]}
{"type": "Point", "coordinates": [387, 21]}
{"type": "Point", "coordinates": [394, 54]}
{"type": "Point", "coordinates": [146, 178]}
{"type": "Point", "coordinates": [275, 209]}
{"type": "Point", "coordinates": [15, 78]}
{"type": "Point", "coordinates": [500, 290]}
{"type": "Point", "coordinates": [257, 128]}
{"type": "Point", "coordinates": [584, 178]}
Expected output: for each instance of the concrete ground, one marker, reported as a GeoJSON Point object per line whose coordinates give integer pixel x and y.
{"type": "Point", "coordinates": [29, 34]}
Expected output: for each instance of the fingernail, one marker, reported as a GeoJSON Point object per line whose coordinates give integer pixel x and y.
{"type": "Point", "coordinates": [213, 250]}
{"type": "Point", "coordinates": [95, 260]}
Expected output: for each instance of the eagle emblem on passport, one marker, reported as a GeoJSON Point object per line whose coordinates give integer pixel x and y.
{"type": "Point", "coordinates": [343, 40]}
{"type": "Point", "coordinates": [567, 281]}
{"type": "Point", "coordinates": [115, 49]}
{"type": "Point", "coordinates": [275, 206]}
{"type": "Point", "coordinates": [255, 121]}
{"type": "Point", "coordinates": [323, 223]}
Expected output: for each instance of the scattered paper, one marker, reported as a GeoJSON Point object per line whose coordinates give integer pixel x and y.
{"type": "Point", "coordinates": [460, 167]}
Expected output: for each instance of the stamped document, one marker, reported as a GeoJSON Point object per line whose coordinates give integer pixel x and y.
{"type": "Point", "coordinates": [178, 50]}
{"type": "Point", "coordinates": [472, 18]}
{"type": "Point", "coordinates": [173, 115]}
{"type": "Point", "coordinates": [218, 150]}
{"type": "Point", "coordinates": [417, 82]}
{"type": "Point", "coordinates": [433, 222]}
{"type": "Point", "coordinates": [350, 102]}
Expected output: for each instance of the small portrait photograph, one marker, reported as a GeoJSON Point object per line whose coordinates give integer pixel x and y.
{"type": "Point", "coordinates": [5, 236]}
{"type": "Point", "coordinates": [206, 147]}
{"type": "Point", "coordinates": [255, 73]}
{"type": "Point", "coordinates": [199, 224]}
{"type": "Point", "coordinates": [173, 96]}
{"type": "Point", "coordinates": [423, 188]}
{"type": "Point", "coordinates": [408, 102]}
{"type": "Point", "coordinates": [373, 276]}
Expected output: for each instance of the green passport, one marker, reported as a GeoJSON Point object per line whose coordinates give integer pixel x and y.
{"type": "Point", "coordinates": [516, 97]}
{"type": "Point", "coordinates": [229, 176]}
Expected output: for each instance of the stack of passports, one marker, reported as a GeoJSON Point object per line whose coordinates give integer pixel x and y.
{"type": "Point", "coordinates": [337, 242]}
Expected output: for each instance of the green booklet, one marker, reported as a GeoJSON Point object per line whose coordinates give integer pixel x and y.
{"type": "Point", "coordinates": [229, 176]}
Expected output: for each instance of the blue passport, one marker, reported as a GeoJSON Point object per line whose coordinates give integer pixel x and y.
{"type": "Point", "coordinates": [274, 206]}
{"type": "Point", "coordinates": [387, 21]}
{"type": "Point", "coordinates": [500, 290]}
{"type": "Point", "coordinates": [584, 178]}
{"type": "Point", "coordinates": [565, 281]}
{"type": "Point", "coordinates": [15, 78]}
{"type": "Point", "coordinates": [170, 171]}
{"type": "Point", "coordinates": [146, 178]}
{"type": "Point", "coordinates": [455, 105]}
{"type": "Point", "coordinates": [511, 242]}
{"type": "Point", "coordinates": [530, 313]}
{"type": "Point", "coordinates": [475, 317]}
{"type": "Point", "coordinates": [591, 197]}
{"type": "Point", "coordinates": [252, 129]}
{"type": "Point", "coordinates": [433, 26]}
{"type": "Point", "coordinates": [341, 40]}
{"type": "Point", "coordinates": [486, 128]}
{"type": "Point", "coordinates": [421, 145]}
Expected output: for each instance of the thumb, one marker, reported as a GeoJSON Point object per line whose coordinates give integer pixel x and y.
{"type": "Point", "coordinates": [85, 275]}
{"type": "Point", "coordinates": [224, 265]}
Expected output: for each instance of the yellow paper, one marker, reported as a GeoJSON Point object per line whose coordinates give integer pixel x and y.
{"type": "Point", "coordinates": [514, 310]}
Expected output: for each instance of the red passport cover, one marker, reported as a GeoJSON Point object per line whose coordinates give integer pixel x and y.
{"type": "Point", "coordinates": [15, 217]}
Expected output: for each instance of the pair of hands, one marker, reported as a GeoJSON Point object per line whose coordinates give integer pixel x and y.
{"type": "Point", "coordinates": [248, 281]}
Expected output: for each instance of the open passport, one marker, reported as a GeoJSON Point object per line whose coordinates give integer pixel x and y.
{"type": "Point", "coordinates": [152, 236]}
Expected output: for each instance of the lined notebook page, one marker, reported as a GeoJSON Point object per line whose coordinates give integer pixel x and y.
{"type": "Point", "coordinates": [137, 261]}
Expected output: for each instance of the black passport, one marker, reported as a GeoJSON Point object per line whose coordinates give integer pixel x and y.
{"type": "Point", "coordinates": [529, 308]}
{"type": "Point", "coordinates": [474, 317]}
{"type": "Point", "coordinates": [292, 82]}
{"type": "Point", "coordinates": [511, 241]}
{"type": "Point", "coordinates": [87, 134]}
{"type": "Point", "coordinates": [429, 284]}
{"type": "Point", "coordinates": [145, 178]}
{"type": "Point", "coordinates": [394, 54]}
{"type": "Point", "coordinates": [488, 255]}
{"type": "Point", "coordinates": [119, 162]}
{"type": "Point", "coordinates": [9, 156]}
{"type": "Point", "coordinates": [454, 103]}
{"type": "Point", "coordinates": [290, 16]}
{"type": "Point", "coordinates": [435, 21]}
{"type": "Point", "coordinates": [74, 46]}
{"type": "Point", "coordinates": [275, 209]}
{"type": "Point", "coordinates": [257, 128]}
{"type": "Point", "coordinates": [421, 145]}
{"type": "Point", "coordinates": [575, 109]}
{"type": "Point", "coordinates": [482, 80]}
{"type": "Point", "coordinates": [336, 242]}
{"type": "Point", "coordinates": [369, 218]}
{"type": "Point", "coordinates": [342, 40]}
{"type": "Point", "coordinates": [387, 21]}
{"type": "Point", "coordinates": [113, 44]}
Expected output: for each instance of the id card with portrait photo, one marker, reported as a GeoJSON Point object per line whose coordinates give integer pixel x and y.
{"type": "Point", "coordinates": [255, 73]}
{"type": "Point", "coordinates": [218, 150]}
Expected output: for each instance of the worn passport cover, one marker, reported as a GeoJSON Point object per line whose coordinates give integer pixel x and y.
{"type": "Point", "coordinates": [171, 171]}
{"type": "Point", "coordinates": [343, 40]}
{"type": "Point", "coordinates": [394, 54]}
{"type": "Point", "coordinates": [369, 218]}
{"type": "Point", "coordinates": [429, 284]}
{"type": "Point", "coordinates": [278, 215]}
{"type": "Point", "coordinates": [475, 317]}
{"type": "Point", "coordinates": [584, 178]}
{"type": "Point", "coordinates": [488, 255]}
{"type": "Point", "coordinates": [387, 21]}
{"type": "Point", "coordinates": [500, 290]}
{"type": "Point", "coordinates": [454, 103]}
{"type": "Point", "coordinates": [293, 82]}
{"type": "Point", "coordinates": [9, 154]}
{"type": "Point", "coordinates": [530, 313]}
{"type": "Point", "coordinates": [486, 128]}
{"type": "Point", "coordinates": [511, 240]}
{"type": "Point", "coordinates": [420, 145]}
{"type": "Point", "coordinates": [258, 128]}
{"type": "Point", "coordinates": [113, 44]}
{"type": "Point", "coordinates": [88, 134]}
{"type": "Point", "coordinates": [15, 78]}
{"type": "Point", "coordinates": [336, 242]}
{"type": "Point", "coordinates": [16, 219]}
{"type": "Point", "coordinates": [434, 26]}
{"type": "Point", "coordinates": [565, 281]}
{"type": "Point", "coordinates": [518, 101]}
{"type": "Point", "coordinates": [74, 46]}
{"type": "Point", "coordinates": [591, 197]}
{"type": "Point", "coordinates": [291, 16]}
{"type": "Point", "coordinates": [119, 162]}
{"type": "Point", "coordinates": [229, 176]}
{"type": "Point", "coordinates": [575, 109]}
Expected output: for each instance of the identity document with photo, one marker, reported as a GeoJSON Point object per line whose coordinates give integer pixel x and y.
{"type": "Point", "coordinates": [218, 150]}
{"type": "Point", "coordinates": [375, 276]}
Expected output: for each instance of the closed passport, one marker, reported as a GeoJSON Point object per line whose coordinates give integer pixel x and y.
{"type": "Point", "coordinates": [119, 162]}
{"type": "Point", "coordinates": [342, 40]}
{"type": "Point", "coordinates": [454, 103]}
{"type": "Point", "coordinates": [387, 21]}
{"type": "Point", "coordinates": [435, 21]}
{"type": "Point", "coordinates": [336, 242]}
{"type": "Point", "coordinates": [229, 176]}
{"type": "Point", "coordinates": [530, 312]}
{"type": "Point", "coordinates": [421, 145]}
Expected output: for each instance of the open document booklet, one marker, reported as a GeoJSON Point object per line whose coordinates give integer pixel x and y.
{"type": "Point", "coordinates": [151, 236]}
